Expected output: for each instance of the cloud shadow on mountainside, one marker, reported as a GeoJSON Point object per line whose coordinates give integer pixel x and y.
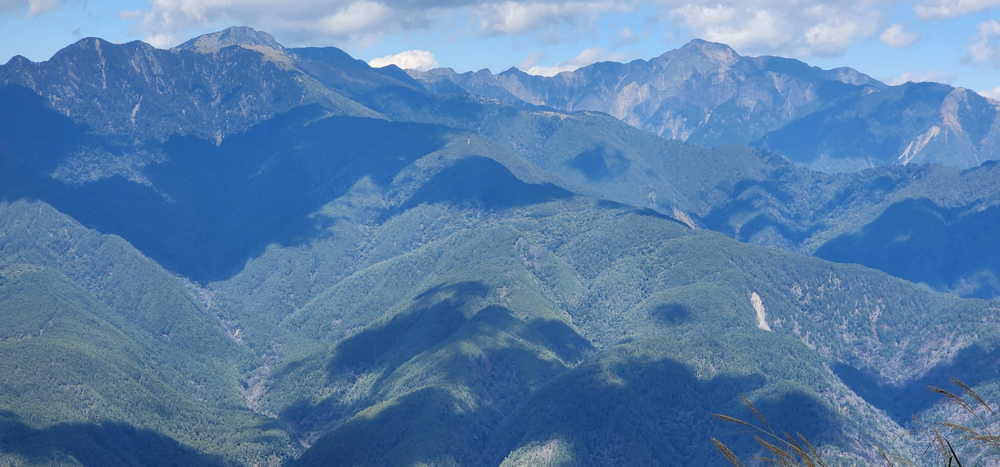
{"type": "Point", "coordinates": [622, 410]}
{"type": "Point", "coordinates": [211, 208]}
{"type": "Point", "coordinates": [439, 317]}
{"type": "Point", "coordinates": [482, 183]}
{"type": "Point", "coordinates": [671, 313]}
{"type": "Point", "coordinates": [760, 199]}
{"type": "Point", "coordinates": [653, 410]}
{"type": "Point", "coordinates": [919, 241]}
{"type": "Point", "coordinates": [637, 412]}
{"type": "Point", "coordinates": [647, 212]}
{"type": "Point", "coordinates": [971, 365]}
{"type": "Point", "coordinates": [93, 445]}
{"type": "Point", "coordinates": [600, 162]}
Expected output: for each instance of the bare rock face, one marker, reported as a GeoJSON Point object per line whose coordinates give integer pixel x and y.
{"type": "Point", "coordinates": [242, 36]}
{"type": "Point", "coordinates": [705, 93]}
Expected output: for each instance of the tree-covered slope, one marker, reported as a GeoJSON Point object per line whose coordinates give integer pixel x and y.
{"type": "Point", "coordinates": [603, 322]}
{"type": "Point", "coordinates": [456, 282]}
{"type": "Point", "coordinates": [108, 359]}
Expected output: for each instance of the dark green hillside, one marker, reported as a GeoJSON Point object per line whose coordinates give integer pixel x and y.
{"type": "Point", "coordinates": [951, 249]}
{"type": "Point", "coordinates": [104, 352]}
{"type": "Point", "coordinates": [927, 224]}
{"type": "Point", "coordinates": [655, 310]}
{"type": "Point", "coordinates": [208, 208]}
{"type": "Point", "coordinates": [458, 282]}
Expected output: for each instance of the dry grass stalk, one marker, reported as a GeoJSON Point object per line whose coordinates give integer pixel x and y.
{"type": "Point", "coordinates": [787, 450]}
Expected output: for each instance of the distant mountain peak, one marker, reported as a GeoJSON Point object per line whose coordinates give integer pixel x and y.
{"type": "Point", "coordinates": [243, 36]}
{"type": "Point", "coordinates": [714, 50]}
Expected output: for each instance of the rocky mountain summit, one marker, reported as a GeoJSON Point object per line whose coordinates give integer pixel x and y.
{"type": "Point", "coordinates": [705, 93]}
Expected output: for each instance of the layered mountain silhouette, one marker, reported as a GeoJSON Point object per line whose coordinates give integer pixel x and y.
{"type": "Point", "coordinates": [705, 93]}
{"type": "Point", "coordinates": [233, 252]}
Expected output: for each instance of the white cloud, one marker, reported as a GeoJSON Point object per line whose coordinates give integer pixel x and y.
{"type": "Point", "coordinates": [824, 28]}
{"type": "Point", "coordinates": [587, 57]}
{"type": "Point", "coordinates": [939, 9]}
{"type": "Point", "coordinates": [722, 24]}
{"type": "Point", "coordinates": [898, 38]}
{"type": "Point", "coordinates": [302, 21]}
{"type": "Point", "coordinates": [512, 17]}
{"type": "Point", "coordinates": [311, 21]}
{"type": "Point", "coordinates": [702, 17]}
{"type": "Point", "coordinates": [991, 93]}
{"type": "Point", "coordinates": [984, 46]}
{"type": "Point", "coordinates": [361, 16]}
{"type": "Point", "coordinates": [409, 60]}
{"type": "Point", "coordinates": [37, 7]}
{"type": "Point", "coordinates": [534, 58]}
{"type": "Point", "coordinates": [921, 77]}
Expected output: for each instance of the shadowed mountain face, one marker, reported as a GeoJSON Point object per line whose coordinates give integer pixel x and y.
{"type": "Point", "coordinates": [208, 209]}
{"type": "Point", "coordinates": [913, 123]}
{"type": "Point", "coordinates": [951, 249]}
{"type": "Point", "coordinates": [90, 444]}
{"type": "Point", "coordinates": [705, 93]}
{"type": "Point", "coordinates": [237, 253]}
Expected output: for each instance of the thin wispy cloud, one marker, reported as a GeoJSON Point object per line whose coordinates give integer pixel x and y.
{"type": "Point", "coordinates": [922, 77]}
{"type": "Point", "coordinates": [587, 57]}
{"type": "Point", "coordinates": [940, 9]}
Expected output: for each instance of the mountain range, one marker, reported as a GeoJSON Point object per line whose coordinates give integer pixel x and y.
{"type": "Point", "coordinates": [236, 253]}
{"type": "Point", "coordinates": [705, 93]}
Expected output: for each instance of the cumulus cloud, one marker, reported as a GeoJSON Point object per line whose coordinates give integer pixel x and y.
{"type": "Point", "coordinates": [939, 9]}
{"type": "Point", "coordinates": [898, 38]}
{"type": "Point", "coordinates": [587, 57]}
{"type": "Point", "coordinates": [409, 60]}
{"type": "Point", "coordinates": [825, 28]}
{"type": "Point", "coordinates": [921, 77]}
{"type": "Point", "coordinates": [984, 46]}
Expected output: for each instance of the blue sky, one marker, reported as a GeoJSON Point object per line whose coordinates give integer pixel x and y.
{"type": "Point", "coordinates": [951, 41]}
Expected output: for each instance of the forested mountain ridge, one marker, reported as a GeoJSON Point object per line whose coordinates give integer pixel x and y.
{"type": "Point", "coordinates": [387, 276]}
{"type": "Point", "coordinates": [705, 93]}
